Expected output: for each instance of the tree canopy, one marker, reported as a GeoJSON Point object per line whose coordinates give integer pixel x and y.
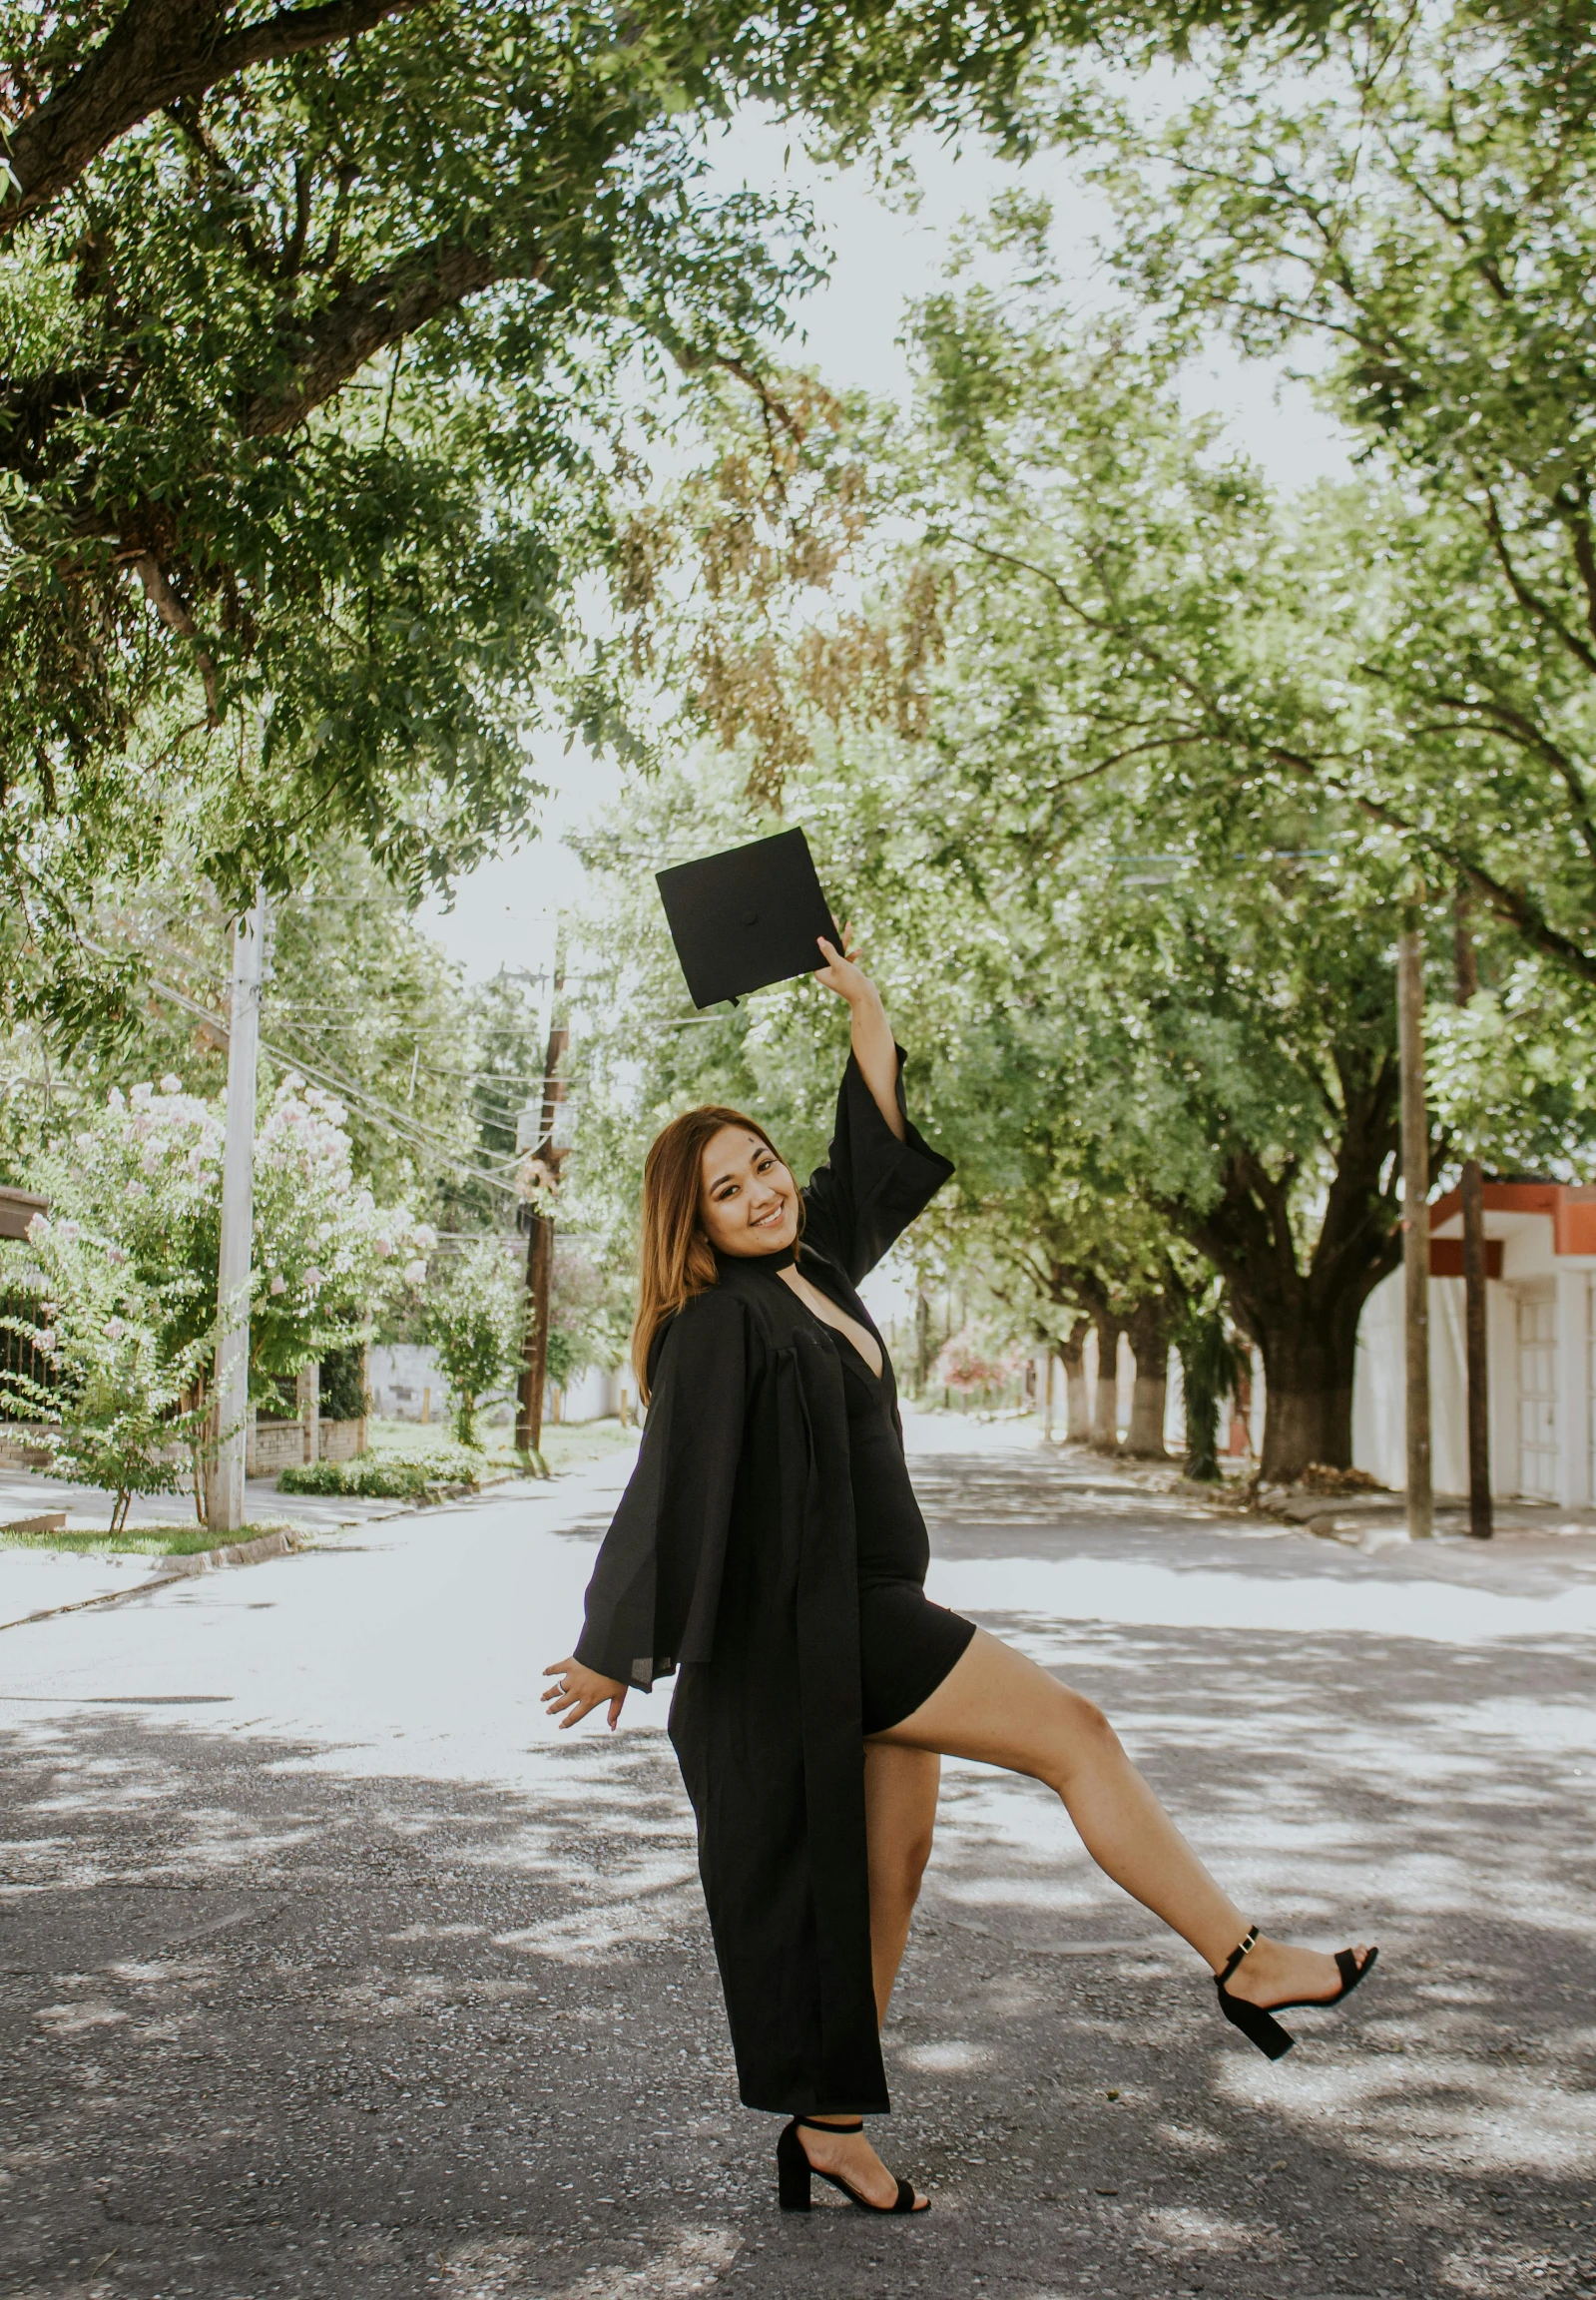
{"type": "Point", "coordinates": [326, 331]}
{"type": "Point", "coordinates": [1414, 218]}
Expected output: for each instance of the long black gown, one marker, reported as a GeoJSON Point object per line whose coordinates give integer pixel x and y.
{"type": "Point", "coordinates": [735, 1557]}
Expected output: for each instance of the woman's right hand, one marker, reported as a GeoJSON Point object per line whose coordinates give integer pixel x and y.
{"type": "Point", "coordinates": [580, 1689]}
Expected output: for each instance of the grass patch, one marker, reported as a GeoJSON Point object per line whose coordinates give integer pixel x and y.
{"type": "Point", "coordinates": [139, 1540]}
{"type": "Point", "coordinates": [433, 1440]}
{"type": "Point", "coordinates": [567, 1445]}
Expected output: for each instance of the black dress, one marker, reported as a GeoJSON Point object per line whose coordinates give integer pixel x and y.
{"type": "Point", "coordinates": [907, 1645]}
{"type": "Point", "coordinates": [735, 1559]}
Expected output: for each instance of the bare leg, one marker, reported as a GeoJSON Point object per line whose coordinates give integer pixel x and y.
{"type": "Point", "coordinates": [900, 1786]}
{"type": "Point", "coordinates": [998, 1707]}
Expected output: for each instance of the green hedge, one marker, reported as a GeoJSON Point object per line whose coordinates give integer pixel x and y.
{"type": "Point", "coordinates": [381, 1476]}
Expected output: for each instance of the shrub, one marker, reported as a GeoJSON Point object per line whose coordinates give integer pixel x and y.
{"type": "Point", "coordinates": [379, 1476]}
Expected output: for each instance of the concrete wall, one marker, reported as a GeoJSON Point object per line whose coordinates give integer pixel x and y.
{"type": "Point", "coordinates": [406, 1380]}
{"type": "Point", "coordinates": [271, 1447]}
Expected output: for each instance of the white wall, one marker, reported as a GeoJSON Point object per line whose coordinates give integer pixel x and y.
{"type": "Point", "coordinates": [1379, 1421]}
{"type": "Point", "coordinates": [400, 1376]}
{"type": "Point", "coordinates": [1379, 1404]}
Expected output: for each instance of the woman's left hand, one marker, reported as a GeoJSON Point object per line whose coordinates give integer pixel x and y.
{"type": "Point", "coordinates": [842, 971]}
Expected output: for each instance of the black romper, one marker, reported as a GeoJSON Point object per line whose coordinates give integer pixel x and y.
{"type": "Point", "coordinates": [907, 1645]}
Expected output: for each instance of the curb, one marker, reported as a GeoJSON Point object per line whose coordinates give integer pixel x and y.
{"type": "Point", "coordinates": [255, 1552]}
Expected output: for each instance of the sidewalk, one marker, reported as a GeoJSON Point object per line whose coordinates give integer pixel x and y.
{"type": "Point", "coordinates": [42, 1581]}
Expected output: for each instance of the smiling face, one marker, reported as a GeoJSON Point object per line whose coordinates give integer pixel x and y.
{"type": "Point", "coordinates": [748, 1201]}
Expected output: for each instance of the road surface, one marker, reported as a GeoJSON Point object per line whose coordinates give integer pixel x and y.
{"type": "Point", "coordinates": [329, 1970]}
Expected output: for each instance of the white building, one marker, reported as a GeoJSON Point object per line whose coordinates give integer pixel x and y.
{"type": "Point", "coordinates": [1541, 1344]}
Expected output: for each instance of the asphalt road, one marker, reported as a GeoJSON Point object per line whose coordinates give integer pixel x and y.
{"type": "Point", "coordinates": [326, 1971]}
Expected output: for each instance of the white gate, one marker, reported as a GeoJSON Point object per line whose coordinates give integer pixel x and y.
{"type": "Point", "coordinates": [1537, 1395]}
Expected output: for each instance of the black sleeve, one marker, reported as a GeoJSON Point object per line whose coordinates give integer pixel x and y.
{"type": "Point", "coordinates": [873, 1185]}
{"type": "Point", "coordinates": [652, 1599]}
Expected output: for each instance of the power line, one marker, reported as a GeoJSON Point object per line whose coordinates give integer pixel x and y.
{"type": "Point", "coordinates": [420, 1136]}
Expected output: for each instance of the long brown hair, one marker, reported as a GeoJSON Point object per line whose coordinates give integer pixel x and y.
{"type": "Point", "coordinates": [674, 1258]}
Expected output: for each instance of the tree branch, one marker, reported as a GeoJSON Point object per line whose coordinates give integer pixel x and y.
{"type": "Point", "coordinates": [1519, 908]}
{"type": "Point", "coordinates": [1529, 599]}
{"type": "Point", "coordinates": [157, 52]}
{"type": "Point", "coordinates": [372, 314]}
{"type": "Point", "coordinates": [174, 615]}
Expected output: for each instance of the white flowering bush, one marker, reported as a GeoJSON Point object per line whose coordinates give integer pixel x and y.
{"type": "Point", "coordinates": [91, 1360]}
{"type": "Point", "coordinates": [144, 1174]}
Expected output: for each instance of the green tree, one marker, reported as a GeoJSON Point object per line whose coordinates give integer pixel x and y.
{"type": "Point", "coordinates": [100, 1374]}
{"type": "Point", "coordinates": [1418, 215]}
{"type": "Point", "coordinates": [1211, 1367]}
{"type": "Point", "coordinates": [144, 1172]}
{"type": "Point", "coordinates": [324, 329]}
{"type": "Point", "coordinates": [475, 1313]}
{"type": "Point", "coordinates": [1116, 646]}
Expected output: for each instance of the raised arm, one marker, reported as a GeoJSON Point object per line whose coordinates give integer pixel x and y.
{"type": "Point", "coordinates": [874, 1049]}
{"type": "Point", "coordinates": [878, 1173]}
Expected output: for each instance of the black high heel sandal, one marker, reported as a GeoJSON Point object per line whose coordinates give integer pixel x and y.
{"type": "Point", "coordinates": [793, 2173]}
{"type": "Point", "coordinates": [1256, 2022]}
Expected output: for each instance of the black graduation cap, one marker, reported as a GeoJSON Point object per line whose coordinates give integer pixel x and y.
{"type": "Point", "coordinates": [747, 917]}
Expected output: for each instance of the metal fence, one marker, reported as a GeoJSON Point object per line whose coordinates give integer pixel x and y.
{"type": "Point", "coordinates": [22, 1362]}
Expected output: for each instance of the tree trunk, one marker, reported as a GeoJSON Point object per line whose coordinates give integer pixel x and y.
{"type": "Point", "coordinates": [1303, 1315]}
{"type": "Point", "coordinates": [1148, 1329]}
{"type": "Point", "coordinates": [1105, 1419]}
{"type": "Point", "coordinates": [1308, 1375]}
{"type": "Point", "coordinates": [1072, 1353]}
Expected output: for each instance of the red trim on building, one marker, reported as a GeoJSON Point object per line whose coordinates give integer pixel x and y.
{"type": "Point", "coordinates": [1571, 1206]}
{"type": "Point", "coordinates": [1447, 1257]}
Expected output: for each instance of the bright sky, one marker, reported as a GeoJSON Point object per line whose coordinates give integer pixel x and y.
{"type": "Point", "coordinates": [882, 260]}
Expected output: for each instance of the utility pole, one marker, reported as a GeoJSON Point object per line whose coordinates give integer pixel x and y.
{"type": "Point", "coordinates": [1475, 1354]}
{"type": "Point", "coordinates": [1415, 1222]}
{"type": "Point", "coordinates": [546, 1158]}
{"type": "Point", "coordinates": [224, 1502]}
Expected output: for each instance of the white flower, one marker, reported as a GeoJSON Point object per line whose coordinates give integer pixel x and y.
{"type": "Point", "coordinates": [384, 1245]}
{"type": "Point", "coordinates": [172, 1083]}
{"type": "Point", "coordinates": [116, 1256]}
{"type": "Point", "coordinates": [69, 1232]}
{"type": "Point", "coordinates": [138, 1189]}
{"type": "Point", "coordinates": [151, 1162]}
{"type": "Point", "coordinates": [415, 1273]}
{"type": "Point", "coordinates": [315, 1278]}
{"type": "Point", "coordinates": [114, 1329]}
{"type": "Point", "coordinates": [280, 1284]}
{"type": "Point", "coordinates": [38, 1228]}
{"type": "Point", "coordinates": [138, 1096]}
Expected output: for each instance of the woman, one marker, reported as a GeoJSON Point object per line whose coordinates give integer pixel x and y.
{"type": "Point", "coordinates": [770, 1548]}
